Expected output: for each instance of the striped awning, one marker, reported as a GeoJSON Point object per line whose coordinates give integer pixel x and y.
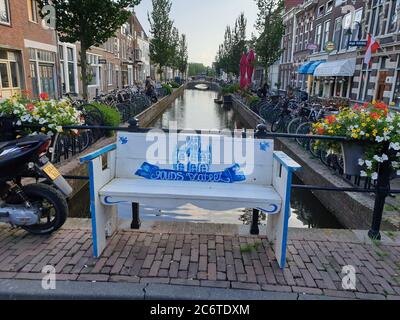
{"type": "Point", "coordinates": [309, 67]}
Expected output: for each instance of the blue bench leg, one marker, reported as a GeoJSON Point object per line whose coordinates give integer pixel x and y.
{"type": "Point", "coordinates": [254, 230]}
{"type": "Point", "coordinates": [135, 217]}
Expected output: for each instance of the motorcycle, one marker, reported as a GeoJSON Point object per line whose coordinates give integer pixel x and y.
{"type": "Point", "coordinates": [39, 208]}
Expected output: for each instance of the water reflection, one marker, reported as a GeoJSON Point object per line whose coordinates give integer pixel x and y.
{"type": "Point", "coordinates": [197, 110]}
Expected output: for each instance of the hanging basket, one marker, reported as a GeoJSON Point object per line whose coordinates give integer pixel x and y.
{"type": "Point", "coordinates": [352, 153]}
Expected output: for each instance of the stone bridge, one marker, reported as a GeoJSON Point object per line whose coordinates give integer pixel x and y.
{"type": "Point", "coordinates": [210, 85]}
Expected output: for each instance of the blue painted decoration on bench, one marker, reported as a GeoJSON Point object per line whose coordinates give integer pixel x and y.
{"type": "Point", "coordinates": [264, 146]}
{"type": "Point", "coordinates": [123, 140]}
{"type": "Point", "coordinates": [152, 172]}
{"type": "Point", "coordinates": [192, 163]}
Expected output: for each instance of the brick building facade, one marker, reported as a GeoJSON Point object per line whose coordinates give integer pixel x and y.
{"type": "Point", "coordinates": [322, 59]}
{"type": "Point", "coordinates": [32, 58]}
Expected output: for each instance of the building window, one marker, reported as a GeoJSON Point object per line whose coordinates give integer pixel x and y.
{"type": "Point", "coordinates": [364, 82]}
{"type": "Point", "coordinates": [110, 74]}
{"type": "Point", "coordinates": [320, 11]}
{"type": "Point", "coordinates": [4, 12]}
{"type": "Point", "coordinates": [325, 37]}
{"type": "Point", "coordinates": [396, 96]}
{"type": "Point", "coordinates": [43, 71]}
{"type": "Point", "coordinates": [94, 69]}
{"type": "Point", "coordinates": [32, 11]}
{"type": "Point", "coordinates": [393, 17]}
{"type": "Point", "coordinates": [337, 32]}
{"type": "Point", "coordinates": [374, 23]}
{"type": "Point", "coordinates": [318, 35]}
{"type": "Point", "coordinates": [329, 6]}
{"type": "Point", "coordinates": [10, 73]}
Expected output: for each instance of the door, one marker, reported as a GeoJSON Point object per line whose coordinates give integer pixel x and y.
{"type": "Point", "coordinates": [47, 79]}
{"type": "Point", "coordinates": [9, 79]}
{"type": "Point", "coordinates": [381, 85]}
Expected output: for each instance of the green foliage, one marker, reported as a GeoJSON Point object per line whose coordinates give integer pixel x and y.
{"type": "Point", "coordinates": [91, 22]}
{"type": "Point", "coordinates": [270, 27]}
{"type": "Point", "coordinates": [111, 116]}
{"type": "Point", "coordinates": [231, 51]}
{"type": "Point", "coordinates": [196, 69]}
{"type": "Point", "coordinates": [168, 88]}
{"type": "Point", "coordinates": [253, 100]}
{"type": "Point", "coordinates": [183, 55]}
{"type": "Point", "coordinates": [161, 28]}
{"type": "Point", "coordinates": [249, 248]}
{"type": "Point", "coordinates": [233, 88]}
{"type": "Point", "coordinates": [174, 85]}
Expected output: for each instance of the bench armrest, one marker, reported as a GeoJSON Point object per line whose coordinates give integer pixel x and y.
{"type": "Point", "coordinates": [98, 153]}
{"type": "Point", "coordinates": [286, 161]}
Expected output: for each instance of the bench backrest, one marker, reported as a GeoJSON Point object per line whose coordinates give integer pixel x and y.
{"type": "Point", "coordinates": [191, 157]}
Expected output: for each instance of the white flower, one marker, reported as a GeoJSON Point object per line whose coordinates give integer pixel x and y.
{"type": "Point", "coordinates": [374, 176]}
{"type": "Point", "coordinates": [369, 164]}
{"type": "Point", "coordinates": [398, 172]}
{"type": "Point", "coordinates": [394, 146]}
{"type": "Point", "coordinates": [379, 139]}
{"type": "Point", "coordinates": [363, 174]}
{"type": "Point", "coordinates": [378, 159]}
{"type": "Point", "coordinates": [361, 162]}
{"type": "Point", "coordinates": [385, 157]}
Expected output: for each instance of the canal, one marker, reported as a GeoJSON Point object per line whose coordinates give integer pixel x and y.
{"type": "Point", "coordinates": [196, 109]}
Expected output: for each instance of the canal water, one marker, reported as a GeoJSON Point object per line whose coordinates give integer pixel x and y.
{"type": "Point", "coordinates": [196, 110]}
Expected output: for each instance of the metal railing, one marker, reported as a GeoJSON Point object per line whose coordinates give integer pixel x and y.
{"type": "Point", "coordinates": [381, 190]}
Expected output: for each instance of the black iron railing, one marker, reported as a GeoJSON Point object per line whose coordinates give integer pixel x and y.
{"type": "Point", "coordinates": [382, 189]}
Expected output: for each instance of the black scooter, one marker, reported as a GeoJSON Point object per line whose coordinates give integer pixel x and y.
{"type": "Point", "coordinates": [39, 208]}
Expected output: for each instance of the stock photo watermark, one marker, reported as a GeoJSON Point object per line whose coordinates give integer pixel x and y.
{"type": "Point", "coordinates": [350, 278]}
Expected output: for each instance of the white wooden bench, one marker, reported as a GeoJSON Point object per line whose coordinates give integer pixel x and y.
{"type": "Point", "coordinates": [135, 173]}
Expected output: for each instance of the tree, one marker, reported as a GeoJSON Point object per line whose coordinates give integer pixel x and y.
{"type": "Point", "coordinates": [161, 27]}
{"type": "Point", "coordinates": [183, 55]}
{"type": "Point", "coordinates": [270, 26]}
{"type": "Point", "coordinates": [174, 47]}
{"type": "Point", "coordinates": [91, 22]}
{"type": "Point", "coordinates": [196, 69]}
{"type": "Point", "coordinates": [231, 50]}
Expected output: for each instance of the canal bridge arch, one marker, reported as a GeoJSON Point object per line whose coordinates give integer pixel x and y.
{"type": "Point", "coordinates": [211, 85]}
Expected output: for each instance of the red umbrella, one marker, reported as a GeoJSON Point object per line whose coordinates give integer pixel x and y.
{"type": "Point", "coordinates": [243, 71]}
{"type": "Point", "coordinates": [250, 66]}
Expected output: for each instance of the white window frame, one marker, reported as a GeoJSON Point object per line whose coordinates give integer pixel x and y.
{"type": "Point", "coordinates": [318, 36]}
{"type": "Point", "coordinates": [32, 11]}
{"type": "Point", "coordinates": [396, 3]}
{"type": "Point", "coordinates": [97, 66]}
{"type": "Point", "coordinates": [325, 34]}
{"type": "Point", "coordinates": [7, 4]}
{"type": "Point", "coordinates": [65, 47]}
{"type": "Point", "coordinates": [397, 73]}
{"type": "Point", "coordinates": [110, 73]}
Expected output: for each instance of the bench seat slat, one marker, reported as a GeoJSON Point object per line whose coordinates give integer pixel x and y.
{"type": "Point", "coordinates": [251, 196]}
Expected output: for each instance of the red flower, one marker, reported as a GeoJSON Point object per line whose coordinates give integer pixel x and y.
{"type": "Point", "coordinates": [383, 107]}
{"type": "Point", "coordinates": [29, 107]}
{"type": "Point", "coordinates": [320, 131]}
{"type": "Point", "coordinates": [331, 119]}
{"type": "Point", "coordinates": [375, 116]}
{"type": "Point", "coordinates": [44, 96]}
{"type": "Point", "coordinates": [356, 107]}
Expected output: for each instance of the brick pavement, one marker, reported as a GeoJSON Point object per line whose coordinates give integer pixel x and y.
{"type": "Point", "coordinates": [220, 261]}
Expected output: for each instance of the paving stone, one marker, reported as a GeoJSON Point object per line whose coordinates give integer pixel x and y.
{"type": "Point", "coordinates": [245, 286]}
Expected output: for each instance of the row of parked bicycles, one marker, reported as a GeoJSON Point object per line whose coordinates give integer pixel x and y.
{"type": "Point", "coordinates": [129, 102]}
{"type": "Point", "coordinates": [296, 116]}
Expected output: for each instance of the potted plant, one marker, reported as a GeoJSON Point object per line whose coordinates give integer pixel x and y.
{"type": "Point", "coordinates": [374, 137]}
{"type": "Point", "coordinates": [50, 115]}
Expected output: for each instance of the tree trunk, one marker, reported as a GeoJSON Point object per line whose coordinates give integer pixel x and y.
{"type": "Point", "coordinates": [84, 74]}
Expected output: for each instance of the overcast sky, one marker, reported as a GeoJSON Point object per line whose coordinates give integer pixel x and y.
{"type": "Point", "coordinates": [204, 22]}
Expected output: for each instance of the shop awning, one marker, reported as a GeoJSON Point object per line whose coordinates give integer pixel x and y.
{"type": "Point", "coordinates": [309, 67]}
{"type": "Point", "coordinates": [339, 68]}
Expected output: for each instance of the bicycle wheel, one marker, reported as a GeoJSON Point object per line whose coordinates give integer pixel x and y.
{"type": "Point", "coordinates": [314, 148]}
{"type": "Point", "coordinates": [304, 129]}
{"type": "Point", "coordinates": [294, 124]}
{"type": "Point", "coordinates": [276, 123]}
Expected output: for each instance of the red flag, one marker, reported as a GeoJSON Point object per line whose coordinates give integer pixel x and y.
{"type": "Point", "coordinates": [372, 47]}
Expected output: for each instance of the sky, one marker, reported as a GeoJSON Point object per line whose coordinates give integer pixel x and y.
{"type": "Point", "coordinates": [203, 22]}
